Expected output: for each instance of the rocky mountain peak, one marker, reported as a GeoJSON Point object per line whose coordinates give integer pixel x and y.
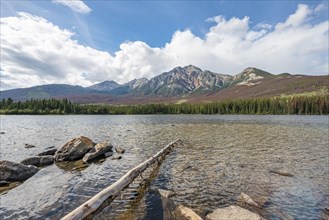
{"type": "Point", "coordinates": [107, 85]}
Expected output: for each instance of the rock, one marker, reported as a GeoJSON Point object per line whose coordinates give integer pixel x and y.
{"type": "Point", "coordinates": [99, 150]}
{"type": "Point", "coordinates": [233, 213]}
{"type": "Point", "coordinates": [248, 200]}
{"type": "Point", "coordinates": [2, 132]}
{"type": "Point", "coordinates": [11, 171]}
{"type": "Point", "coordinates": [116, 158]}
{"type": "Point", "coordinates": [184, 213]}
{"type": "Point", "coordinates": [74, 149]}
{"type": "Point", "coordinates": [51, 147]}
{"type": "Point", "coordinates": [4, 183]}
{"type": "Point", "coordinates": [281, 172]}
{"type": "Point", "coordinates": [108, 154]}
{"type": "Point", "coordinates": [166, 193]}
{"type": "Point", "coordinates": [72, 165]}
{"type": "Point", "coordinates": [4, 189]}
{"type": "Point", "coordinates": [38, 161]}
{"type": "Point", "coordinates": [119, 150]}
{"type": "Point", "coordinates": [48, 152]}
{"type": "Point", "coordinates": [29, 146]}
{"type": "Point", "coordinates": [80, 167]}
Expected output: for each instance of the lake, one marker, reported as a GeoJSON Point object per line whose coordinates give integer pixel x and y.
{"type": "Point", "coordinates": [221, 156]}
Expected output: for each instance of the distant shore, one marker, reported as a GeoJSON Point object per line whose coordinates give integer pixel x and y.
{"type": "Point", "coordinates": [287, 105]}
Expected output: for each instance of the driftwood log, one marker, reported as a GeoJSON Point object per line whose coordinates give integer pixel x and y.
{"type": "Point", "coordinates": [93, 204]}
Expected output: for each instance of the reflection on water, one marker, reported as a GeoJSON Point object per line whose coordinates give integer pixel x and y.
{"type": "Point", "coordinates": [221, 157]}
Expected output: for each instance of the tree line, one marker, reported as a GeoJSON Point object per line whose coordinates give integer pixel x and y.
{"type": "Point", "coordinates": [305, 105]}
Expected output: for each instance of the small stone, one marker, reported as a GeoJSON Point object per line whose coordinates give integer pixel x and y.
{"type": "Point", "coordinates": [248, 200]}
{"type": "Point", "coordinates": [2, 132]}
{"type": "Point", "coordinates": [166, 193]}
{"type": "Point", "coordinates": [101, 160]}
{"type": "Point", "coordinates": [48, 152]}
{"type": "Point", "coordinates": [281, 172]}
{"type": "Point", "coordinates": [119, 150]}
{"type": "Point", "coordinates": [99, 150]}
{"type": "Point", "coordinates": [116, 158]}
{"type": "Point", "coordinates": [51, 147]}
{"type": "Point", "coordinates": [29, 146]}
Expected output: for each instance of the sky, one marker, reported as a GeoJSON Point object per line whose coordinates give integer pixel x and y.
{"type": "Point", "coordinates": [85, 42]}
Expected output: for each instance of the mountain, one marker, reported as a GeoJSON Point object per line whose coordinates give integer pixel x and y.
{"type": "Point", "coordinates": [105, 86]}
{"type": "Point", "coordinates": [181, 84]}
{"type": "Point", "coordinates": [184, 80]}
{"type": "Point", "coordinates": [44, 92]}
{"type": "Point", "coordinates": [129, 87]}
{"type": "Point", "coordinates": [249, 76]}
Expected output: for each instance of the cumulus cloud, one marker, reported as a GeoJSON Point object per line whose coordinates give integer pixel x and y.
{"type": "Point", "coordinates": [35, 51]}
{"type": "Point", "coordinates": [75, 5]}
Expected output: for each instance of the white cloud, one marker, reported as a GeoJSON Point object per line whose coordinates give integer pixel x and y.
{"type": "Point", "coordinates": [263, 25]}
{"type": "Point", "coordinates": [75, 5]}
{"type": "Point", "coordinates": [320, 7]}
{"type": "Point", "coordinates": [35, 51]}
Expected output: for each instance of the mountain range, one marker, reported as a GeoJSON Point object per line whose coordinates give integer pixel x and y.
{"type": "Point", "coordinates": [181, 84]}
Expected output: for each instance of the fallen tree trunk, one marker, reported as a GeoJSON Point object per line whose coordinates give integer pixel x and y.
{"type": "Point", "coordinates": [93, 204]}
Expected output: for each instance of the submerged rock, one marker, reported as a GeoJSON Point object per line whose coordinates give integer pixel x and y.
{"type": "Point", "coordinates": [233, 213]}
{"type": "Point", "coordinates": [117, 158]}
{"type": "Point", "coordinates": [184, 213]}
{"type": "Point", "coordinates": [51, 147]}
{"type": "Point", "coordinates": [80, 167]}
{"type": "Point", "coordinates": [72, 165]}
{"type": "Point", "coordinates": [11, 171]}
{"type": "Point", "coordinates": [166, 193]}
{"type": "Point", "coordinates": [108, 154]}
{"type": "Point", "coordinates": [281, 172]}
{"type": "Point", "coordinates": [99, 150]}
{"type": "Point", "coordinates": [38, 161]}
{"type": "Point", "coordinates": [29, 145]}
{"type": "Point", "coordinates": [248, 200]}
{"type": "Point", "coordinates": [4, 183]}
{"type": "Point", "coordinates": [5, 188]}
{"type": "Point", "coordinates": [74, 149]}
{"type": "Point", "coordinates": [48, 152]}
{"type": "Point", "coordinates": [119, 150]}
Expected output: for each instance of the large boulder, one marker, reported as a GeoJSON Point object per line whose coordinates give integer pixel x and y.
{"type": "Point", "coordinates": [11, 171]}
{"type": "Point", "coordinates": [99, 150]}
{"type": "Point", "coordinates": [233, 213]}
{"type": "Point", "coordinates": [184, 213]}
{"type": "Point", "coordinates": [74, 149]}
{"type": "Point", "coordinates": [38, 161]}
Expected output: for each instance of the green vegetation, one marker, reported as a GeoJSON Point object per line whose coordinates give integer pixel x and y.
{"type": "Point", "coordinates": [306, 105]}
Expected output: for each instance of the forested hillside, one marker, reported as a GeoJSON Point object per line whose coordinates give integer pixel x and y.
{"type": "Point", "coordinates": [317, 105]}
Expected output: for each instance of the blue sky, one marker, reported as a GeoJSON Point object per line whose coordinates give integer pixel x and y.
{"type": "Point", "coordinates": [134, 39]}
